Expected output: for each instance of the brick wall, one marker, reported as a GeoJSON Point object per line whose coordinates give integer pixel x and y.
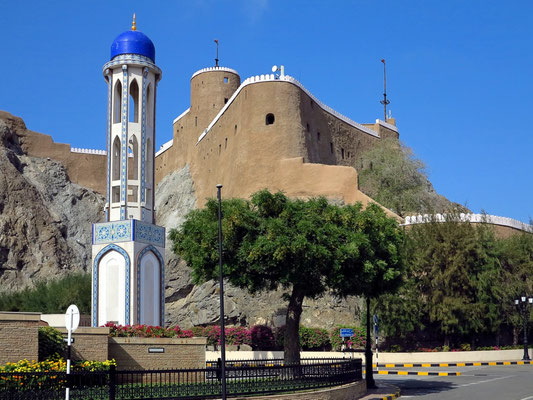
{"type": "Point", "coordinates": [19, 336]}
{"type": "Point", "coordinates": [89, 343]}
{"type": "Point", "coordinates": [132, 353]}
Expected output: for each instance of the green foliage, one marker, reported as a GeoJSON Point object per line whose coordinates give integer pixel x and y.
{"type": "Point", "coordinates": [305, 247]}
{"type": "Point", "coordinates": [51, 344]}
{"type": "Point", "coordinates": [52, 296]}
{"type": "Point", "coordinates": [314, 338]}
{"type": "Point", "coordinates": [459, 285]}
{"type": "Point", "coordinates": [358, 340]}
{"type": "Point", "coordinates": [391, 174]}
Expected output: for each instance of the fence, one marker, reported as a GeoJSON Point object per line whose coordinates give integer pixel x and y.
{"type": "Point", "coordinates": [181, 383]}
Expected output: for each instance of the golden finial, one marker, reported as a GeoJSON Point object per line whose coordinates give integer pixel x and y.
{"type": "Point", "coordinates": [133, 27]}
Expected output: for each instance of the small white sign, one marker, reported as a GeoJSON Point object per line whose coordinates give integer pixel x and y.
{"type": "Point", "coordinates": [72, 318]}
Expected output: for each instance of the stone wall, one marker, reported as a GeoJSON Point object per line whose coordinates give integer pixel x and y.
{"type": "Point", "coordinates": [89, 343]}
{"type": "Point", "coordinates": [133, 353]}
{"type": "Point", "coordinates": [19, 336]}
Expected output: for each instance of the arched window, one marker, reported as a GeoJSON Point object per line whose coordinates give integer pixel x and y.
{"type": "Point", "coordinates": [117, 109]}
{"type": "Point", "coordinates": [116, 159]}
{"type": "Point", "coordinates": [134, 102]}
{"type": "Point", "coordinates": [133, 158]}
{"type": "Point", "coordinates": [149, 173]}
{"type": "Point", "coordinates": [149, 106]}
{"type": "Point", "coordinates": [269, 119]}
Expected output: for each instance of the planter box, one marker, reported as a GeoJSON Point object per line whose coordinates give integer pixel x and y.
{"type": "Point", "coordinates": [134, 353]}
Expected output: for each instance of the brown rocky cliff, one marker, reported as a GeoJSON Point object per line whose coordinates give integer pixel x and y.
{"type": "Point", "coordinates": [45, 220]}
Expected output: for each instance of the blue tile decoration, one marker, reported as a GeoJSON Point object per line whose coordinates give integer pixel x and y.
{"type": "Point", "coordinates": [100, 254]}
{"type": "Point", "coordinates": [109, 125]}
{"type": "Point", "coordinates": [124, 155]}
{"type": "Point", "coordinates": [149, 233]}
{"type": "Point", "coordinates": [162, 282]}
{"type": "Point", "coordinates": [134, 59]}
{"type": "Point", "coordinates": [113, 232]}
{"type": "Point", "coordinates": [143, 137]}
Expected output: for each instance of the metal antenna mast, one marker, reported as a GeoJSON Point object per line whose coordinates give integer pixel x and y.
{"type": "Point", "coordinates": [384, 101]}
{"type": "Point", "coordinates": [216, 59]}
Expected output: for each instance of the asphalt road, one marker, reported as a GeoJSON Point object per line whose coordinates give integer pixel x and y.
{"type": "Point", "coordinates": [514, 382]}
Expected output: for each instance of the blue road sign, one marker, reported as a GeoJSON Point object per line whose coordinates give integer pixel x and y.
{"type": "Point", "coordinates": [346, 332]}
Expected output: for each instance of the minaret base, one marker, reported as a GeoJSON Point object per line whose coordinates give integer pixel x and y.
{"type": "Point", "coordinates": [128, 273]}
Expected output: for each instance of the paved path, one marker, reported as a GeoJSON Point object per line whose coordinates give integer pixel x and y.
{"type": "Point", "coordinates": [514, 382]}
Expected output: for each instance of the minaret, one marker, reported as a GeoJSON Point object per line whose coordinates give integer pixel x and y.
{"type": "Point", "coordinates": [128, 266]}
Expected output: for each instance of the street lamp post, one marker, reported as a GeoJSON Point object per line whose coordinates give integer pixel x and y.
{"type": "Point", "coordinates": [221, 282]}
{"type": "Point", "coordinates": [370, 382]}
{"type": "Point", "coordinates": [522, 304]}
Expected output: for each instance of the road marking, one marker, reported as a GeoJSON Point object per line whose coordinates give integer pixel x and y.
{"type": "Point", "coordinates": [527, 398]}
{"type": "Point", "coordinates": [487, 380]}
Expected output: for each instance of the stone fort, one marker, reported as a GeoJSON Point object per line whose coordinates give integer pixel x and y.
{"type": "Point", "coordinates": [267, 131]}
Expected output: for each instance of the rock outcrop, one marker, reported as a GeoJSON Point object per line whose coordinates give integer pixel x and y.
{"type": "Point", "coordinates": [45, 231]}
{"type": "Point", "coordinates": [44, 217]}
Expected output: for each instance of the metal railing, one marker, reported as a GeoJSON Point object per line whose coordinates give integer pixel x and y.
{"type": "Point", "coordinates": [180, 383]}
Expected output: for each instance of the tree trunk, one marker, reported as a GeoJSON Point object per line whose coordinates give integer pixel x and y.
{"type": "Point", "coordinates": [291, 345]}
{"type": "Point", "coordinates": [515, 335]}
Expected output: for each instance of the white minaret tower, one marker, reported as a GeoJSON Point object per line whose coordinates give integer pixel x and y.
{"type": "Point", "coordinates": [128, 264]}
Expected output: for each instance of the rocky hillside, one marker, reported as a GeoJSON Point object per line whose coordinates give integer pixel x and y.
{"type": "Point", "coordinates": [45, 228]}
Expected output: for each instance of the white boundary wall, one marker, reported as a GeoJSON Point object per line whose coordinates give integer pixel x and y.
{"type": "Point", "coordinates": [396, 358]}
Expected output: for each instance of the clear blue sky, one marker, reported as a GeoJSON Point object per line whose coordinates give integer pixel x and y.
{"type": "Point", "coordinates": [459, 73]}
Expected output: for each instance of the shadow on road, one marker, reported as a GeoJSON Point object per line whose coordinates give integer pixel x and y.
{"type": "Point", "coordinates": [414, 387]}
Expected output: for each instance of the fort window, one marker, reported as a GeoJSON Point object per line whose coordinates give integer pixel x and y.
{"type": "Point", "coordinates": [312, 104]}
{"type": "Point", "coordinates": [269, 120]}
{"type": "Point", "coordinates": [235, 129]}
{"type": "Point", "coordinates": [195, 121]}
{"type": "Point", "coordinates": [219, 148]}
{"type": "Point", "coordinates": [318, 136]}
{"type": "Point", "coordinates": [348, 154]}
{"type": "Point", "coordinates": [225, 100]}
{"type": "Point", "coordinates": [226, 80]}
{"type": "Point", "coordinates": [342, 154]}
{"type": "Point", "coordinates": [226, 143]}
{"type": "Point", "coordinates": [134, 102]}
{"type": "Point", "coordinates": [331, 147]}
{"type": "Point", "coordinates": [117, 109]}
{"type": "Point", "coordinates": [307, 127]}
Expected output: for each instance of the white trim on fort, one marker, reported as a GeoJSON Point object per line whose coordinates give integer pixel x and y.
{"type": "Point", "coordinates": [472, 218]}
{"type": "Point", "coordinates": [289, 79]}
{"type": "Point", "coordinates": [88, 151]}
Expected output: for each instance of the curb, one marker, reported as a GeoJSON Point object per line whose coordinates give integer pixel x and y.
{"type": "Point", "coordinates": [419, 373]}
{"type": "Point", "coordinates": [459, 364]}
{"type": "Point", "coordinates": [396, 393]}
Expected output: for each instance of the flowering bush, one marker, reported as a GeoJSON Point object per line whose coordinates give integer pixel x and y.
{"type": "Point", "coordinates": [358, 339]}
{"type": "Point", "coordinates": [147, 331]}
{"type": "Point", "coordinates": [25, 380]}
{"type": "Point", "coordinates": [313, 338]}
{"type": "Point", "coordinates": [238, 335]}
{"type": "Point", "coordinates": [262, 337]}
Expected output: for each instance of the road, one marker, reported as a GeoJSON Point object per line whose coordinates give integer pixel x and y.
{"type": "Point", "coordinates": [513, 382]}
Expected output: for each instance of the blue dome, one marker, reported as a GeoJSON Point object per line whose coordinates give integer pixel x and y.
{"type": "Point", "coordinates": [133, 42]}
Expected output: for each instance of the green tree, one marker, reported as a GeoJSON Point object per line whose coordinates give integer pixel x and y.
{"type": "Point", "coordinates": [516, 259]}
{"type": "Point", "coordinates": [52, 296]}
{"type": "Point", "coordinates": [272, 241]}
{"type": "Point", "coordinates": [391, 174]}
{"type": "Point", "coordinates": [452, 289]}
